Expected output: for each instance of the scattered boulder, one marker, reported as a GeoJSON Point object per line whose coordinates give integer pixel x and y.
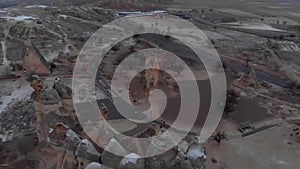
{"type": "Point", "coordinates": [196, 155]}
{"type": "Point", "coordinates": [48, 97]}
{"type": "Point", "coordinates": [110, 159]}
{"type": "Point", "coordinates": [72, 140]}
{"type": "Point", "coordinates": [132, 161]}
{"type": "Point", "coordinates": [57, 136]}
{"type": "Point", "coordinates": [94, 165]}
{"type": "Point", "coordinates": [86, 153]}
{"type": "Point", "coordinates": [63, 90]}
{"type": "Point", "coordinates": [64, 141]}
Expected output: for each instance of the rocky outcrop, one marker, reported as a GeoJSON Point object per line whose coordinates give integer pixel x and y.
{"type": "Point", "coordinates": [86, 153]}
{"type": "Point", "coordinates": [48, 97]}
{"type": "Point", "coordinates": [47, 104]}
{"type": "Point", "coordinates": [64, 141]}
{"type": "Point", "coordinates": [35, 63]}
{"type": "Point", "coordinates": [72, 152]}
{"type": "Point", "coordinates": [196, 155]}
{"type": "Point", "coordinates": [63, 90]}
{"type": "Point", "coordinates": [51, 106]}
{"type": "Point", "coordinates": [94, 165]}
{"type": "Point", "coordinates": [132, 161]}
{"type": "Point", "coordinates": [111, 159]}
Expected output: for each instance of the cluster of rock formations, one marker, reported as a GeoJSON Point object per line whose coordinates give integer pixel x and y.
{"type": "Point", "coordinates": [74, 152]}
{"type": "Point", "coordinates": [52, 105]}
{"type": "Point", "coordinates": [27, 59]}
{"type": "Point", "coordinates": [58, 131]}
{"type": "Point", "coordinates": [35, 63]}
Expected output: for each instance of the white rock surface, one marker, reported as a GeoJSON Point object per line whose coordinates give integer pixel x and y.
{"type": "Point", "coordinates": [93, 165]}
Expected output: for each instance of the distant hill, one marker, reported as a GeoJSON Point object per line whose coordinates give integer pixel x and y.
{"type": "Point", "coordinates": [11, 3]}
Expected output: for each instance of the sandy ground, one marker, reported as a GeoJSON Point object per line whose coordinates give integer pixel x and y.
{"type": "Point", "coordinates": [270, 149]}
